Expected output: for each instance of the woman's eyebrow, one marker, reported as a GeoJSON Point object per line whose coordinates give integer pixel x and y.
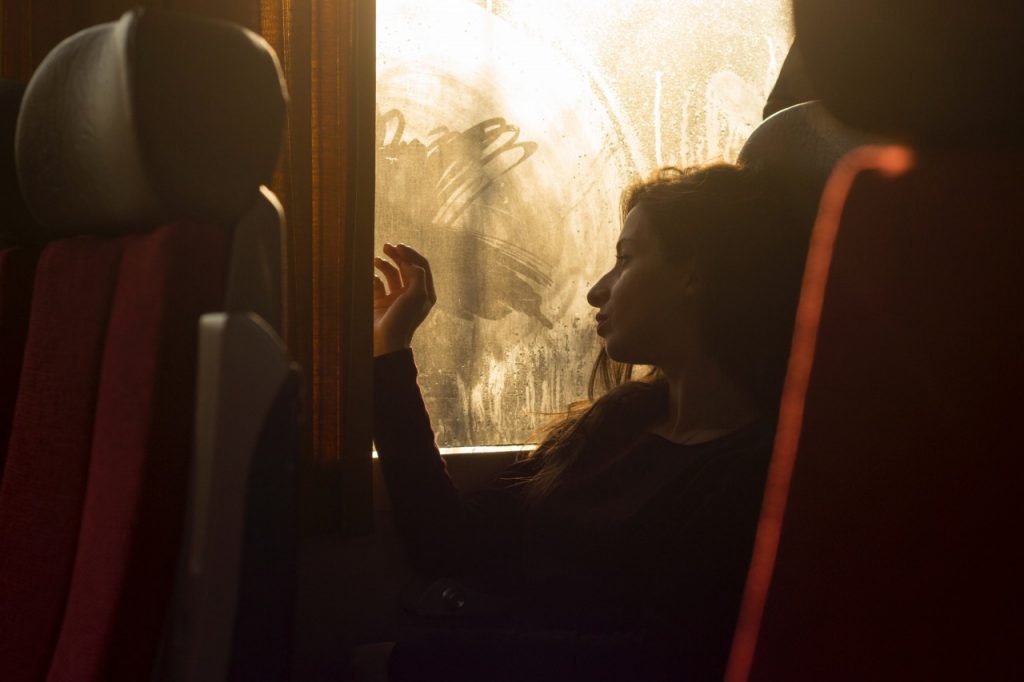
{"type": "Point", "coordinates": [627, 240]}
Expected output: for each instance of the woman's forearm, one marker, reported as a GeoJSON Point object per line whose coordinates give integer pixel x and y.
{"type": "Point", "coordinates": [427, 508]}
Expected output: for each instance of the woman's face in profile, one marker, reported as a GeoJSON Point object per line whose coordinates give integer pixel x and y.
{"type": "Point", "coordinates": [646, 302]}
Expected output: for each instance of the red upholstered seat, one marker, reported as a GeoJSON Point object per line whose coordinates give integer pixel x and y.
{"type": "Point", "coordinates": [98, 458]}
{"type": "Point", "coordinates": [90, 510]}
{"type": "Point", "coordinates": [17, 269]}
{"type": "Point", "coordinates": [139, 455]}
{"type": "Point", "coordinates": [48, 458]}
{"type": "Point", "coordinates": [17, 262]}
{"type": "Point", "coordinates": [133, 164]}
{"type": "Point", "coordinates": [898, 475]}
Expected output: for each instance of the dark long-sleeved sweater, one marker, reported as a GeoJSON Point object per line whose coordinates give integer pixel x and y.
{"type": "Point", "coordinates": [655, 548]}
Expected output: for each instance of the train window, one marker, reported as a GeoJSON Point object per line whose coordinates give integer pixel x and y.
{"type": "Point", "coordinates": [506, 130]}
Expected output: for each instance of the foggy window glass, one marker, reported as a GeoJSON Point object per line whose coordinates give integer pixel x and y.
{"type": "Point", "coordinates": [506, 131]}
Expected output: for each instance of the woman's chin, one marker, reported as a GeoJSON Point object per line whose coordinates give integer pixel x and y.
{"type": "Point", "coordinates": [617, 353]}
{"type": "Point", "coordinates": [626, 355]}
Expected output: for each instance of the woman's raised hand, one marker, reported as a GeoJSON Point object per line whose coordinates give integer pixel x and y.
{"type": "Point", "coordinates": [401, 307]}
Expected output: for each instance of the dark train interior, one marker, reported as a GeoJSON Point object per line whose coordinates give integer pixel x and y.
{"type": "Point", "coordinates": [215, 463]}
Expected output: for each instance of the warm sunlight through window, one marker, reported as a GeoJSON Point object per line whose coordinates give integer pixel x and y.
{"type": "Point", "coordinates": [506, 131]}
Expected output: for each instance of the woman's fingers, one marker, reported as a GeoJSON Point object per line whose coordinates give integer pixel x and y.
{"type": "Point", "coordinates": [416, 258]}
{"type": "Point", "coordinates": [402, 260]}
{"type": "Point", "coordinates": [414, 302]}
{"type": "Point", "coordinates": [399, 310]}
{"type": "Point", "coordinates": [405, 255]}
{"type": "Point", "coordinates": [418, 281]}
{"type": "Point", "coordinates": [391, 273]}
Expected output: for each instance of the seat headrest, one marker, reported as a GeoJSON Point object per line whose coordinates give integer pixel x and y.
{"type": "Point", "coordinates": [798, 147]}
{"type": "Point", "coordinates": [156, 116]}
{"type": "Point", "coordinates": [922, 71]}
{"type": "Point", "coordinates": [15, 222]}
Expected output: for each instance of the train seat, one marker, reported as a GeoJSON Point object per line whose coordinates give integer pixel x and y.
{"type": "Point", "coordinates": [899, 429]}
{"type": "Point", "coordinates": [17, 263]}
{"type": "Point", "coordinates": [797, 148]}
{"type": "Point", "coordinates": [141, 146]}
{"type": "Point", "coordinates": [231, 617]}
{"type": "Point", "coordinates": [886, 548]}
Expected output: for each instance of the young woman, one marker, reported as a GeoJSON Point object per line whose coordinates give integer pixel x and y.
{"type": "Point", "coordinates": [618, 549]}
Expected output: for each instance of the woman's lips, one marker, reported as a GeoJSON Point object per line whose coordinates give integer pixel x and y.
{"type": "Point", "coordinates": [602, 325]}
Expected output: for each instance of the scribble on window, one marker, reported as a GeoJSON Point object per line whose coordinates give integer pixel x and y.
{"type": "Point", "coordinates": [443, 178]}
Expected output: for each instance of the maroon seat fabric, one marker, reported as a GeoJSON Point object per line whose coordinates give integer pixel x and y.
{"type": "Point", "coordinates": [137, 476]}
{"type": "Point", "coordinates": [888, 545]}
{"type": "Point", "coordinates": [44, 480]}
{"type": "Point", "coordinates": [90, 508]}
{"type": "Point", "coordinates": [17, 262]}
{"type": "Point", "coordinates": [17, 268]}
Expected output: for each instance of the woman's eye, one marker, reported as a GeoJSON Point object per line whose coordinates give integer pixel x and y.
{"type": "Point", "coordinates": [621, 259]}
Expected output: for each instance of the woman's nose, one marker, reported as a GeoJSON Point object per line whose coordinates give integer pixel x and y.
{"type": "Point", "coordinates": [598, 294]}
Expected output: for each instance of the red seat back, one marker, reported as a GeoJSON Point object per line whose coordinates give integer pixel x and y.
{"type": "Point", "coordinates": [897, 477]}
{"type": "Point", "coordinates": [887, 543]}
{"type": "Point", "coordinates": [17, 269]}
{"type": "Point", "coordinates": [135, 163]}
{"type": "Point", "coordinates": [17, 262]}
{"type": "Point", "coordinates": [138, 459]}
{"type": "Point", "coordinates": [99, 445]}
{"type": "Point", "coordinates": [48, 458]}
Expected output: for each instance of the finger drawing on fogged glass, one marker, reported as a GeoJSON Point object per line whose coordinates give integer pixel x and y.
{"type": "Point", "coordinates": [451, 172]}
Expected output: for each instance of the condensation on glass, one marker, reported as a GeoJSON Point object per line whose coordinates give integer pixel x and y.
{"type": "Point", "coordinates": [506, 131]}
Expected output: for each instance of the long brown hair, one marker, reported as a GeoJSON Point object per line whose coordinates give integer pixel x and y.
{"type": "Point", "coordinates": [749, 250]}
